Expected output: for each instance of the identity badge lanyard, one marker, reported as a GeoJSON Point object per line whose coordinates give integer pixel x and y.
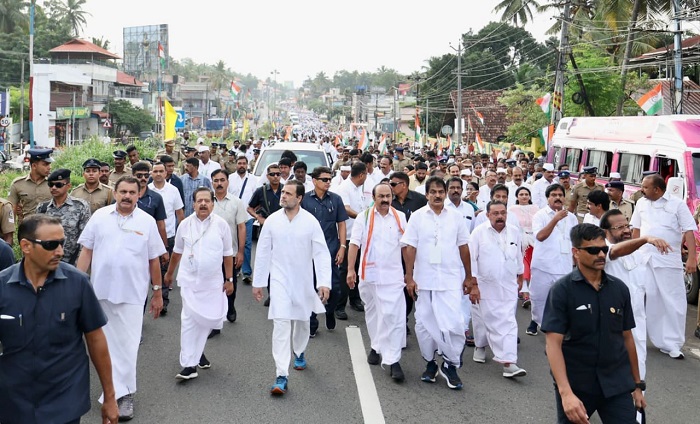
{"type": "Point", "coordinates": [194, 243]}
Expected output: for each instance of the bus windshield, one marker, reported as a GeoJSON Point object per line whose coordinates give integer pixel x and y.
{"type": "Point", "coordinates": [696, 170]}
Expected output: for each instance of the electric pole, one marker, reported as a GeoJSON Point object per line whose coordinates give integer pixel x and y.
{"type": "Point", "coordinates": [558, 98]}
{"type": "Point", "coordinates": [677, 93]}
{"type": "Point", "coordinates": [458, 120]}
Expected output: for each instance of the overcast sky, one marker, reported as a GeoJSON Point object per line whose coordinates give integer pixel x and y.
{"type": "Point", "coordinates": [300, 38]}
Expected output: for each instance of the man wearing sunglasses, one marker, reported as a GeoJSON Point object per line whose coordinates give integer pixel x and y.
{"type": "Point", "coordinates": [74, 213]}
{"type": "Point", "coordinates": [590, 348]}
{"type": "Point", "coordinates": [121, 245]}
{"type": "Point", "coordinates": [50, 314]}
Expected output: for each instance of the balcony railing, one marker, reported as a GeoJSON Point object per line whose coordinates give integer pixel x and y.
{"type": "Point", "coordinates": [84, 62]}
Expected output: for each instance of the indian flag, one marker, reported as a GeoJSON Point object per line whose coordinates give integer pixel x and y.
{"type": "Point", "coordinates": [480, 143]}
{"type": "Point", "coordinates": [364, 141]}
{"type": "Point", "coordinates": [235, 89]}
{"type": "Point", "coordinates": [417, 125]}
{"type": "Point", "coordinates": [382, 145]}
{"type": "Point", "coordinates": [161, 55]}
{"type": "Point", "coordinates": [652, 103]}
{"type": "Point", "coordinates": [451, 144]}
{"type": "Point", "coordinates": [543, 102]}
{"type": "Point", "coordinates": [478, 114]}
{"type": "Point", "coordinates": [546, 134]}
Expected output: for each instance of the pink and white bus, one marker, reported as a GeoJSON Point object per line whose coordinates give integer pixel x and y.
{"type": "Point", "coordinates": [631, 145]}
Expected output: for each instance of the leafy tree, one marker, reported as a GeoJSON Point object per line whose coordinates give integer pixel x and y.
{"type": "Point", "coordinates": [101, 42]}
{"type": "Point", "coordinates": [72, 11]}
{"type": "Point", "coordinates": [516, 10]}
{"type": "Point", "coordinates": [127, 115]}
{"type": "Point", "coordinates": [524, 112]}
{"type": "Point", "coordinates": [12, 15]}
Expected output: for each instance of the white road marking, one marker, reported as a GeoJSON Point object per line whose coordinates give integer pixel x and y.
{"type": "Point", "coordinates": [369, 400]}
{"type": "Point", "coordinates": [695, 352]}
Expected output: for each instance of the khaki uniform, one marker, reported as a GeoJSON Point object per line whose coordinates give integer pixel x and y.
{"type": "Point", "coordinates": [176, 155]}
{"type": "Point", "coordinates": [339, 163]}
{"type": "Point", "coordinates": [7, 217]}
{"type": "Point", "coordinates": [579, 196]}
{"type": "Point", "coordinates": [400, 164]}
{"type": "Point", "coordinates": [251, 165]}
{"type": "Point", "coordinates": [28, 194]}
{"type": "Point", "coordinates": [229, 166]}
{"type": "Point", "coordinates": [101, 196]}
{"type": "Point", "coordinates": [625, 206]}
{"type": "Point", "coordinates": [114, 176]}
{"type": "Point", "coordinates": [216, 157]}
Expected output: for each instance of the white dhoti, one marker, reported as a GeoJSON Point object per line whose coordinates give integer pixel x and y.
{"type": "Point", "coordinates": [385, 317]}
{"type": "Point", "coordinates": [466, 311]}
{"type": "Point", "coordinates": [495, 326]}
{"type": "Point", "coordinates": [440, 325]}
{"type": "Point", "coordinates": [639, 332]}
{"type": "Point", "coordinates": [539, 290]}
{"type": "Point", "coordinates": [666, 307]}
{"type": "Point", "coordinates": [287, 335]}
{"type": "Point", "coordinates": [123, 333]}
{"type": "Point", "coordinates": [202, 311]}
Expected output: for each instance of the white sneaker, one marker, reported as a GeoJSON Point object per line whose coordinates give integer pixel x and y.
{"type": "Point", "coordinates": [126, 407]}
{"type": "Point", "coordinates": [513, 370]}
{"type": "Point", "coordinates": [675, 354]}
{"type": "Point", "coordinates": [479, 355]}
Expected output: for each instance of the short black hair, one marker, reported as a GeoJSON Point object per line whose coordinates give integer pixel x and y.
{"type": "Point", "coordinates": [357, 169]}
{"type": "Point", "coordinates": [167, 159]}
{"type": "Point", "coordinates": [285, 161]}
{"type": "Point", "coordinates": [435, 180]}
{"type": "Point", "coordinates": [29, 225]}
{"type": "Point", "coordinates": [455, 180]}
{"type": "Point", "coordinates": [585, 232]}
{"type": "Point", "coordinates": [201, 189]}
{"type": "Point", "coordinates": [289, 155]}
{"type": "Point", "coordinates": [553, 187]}
{"type": "Point", "coordinates": [300, 164]}
{"type": "Point", "coordinates": [140, 166]}
{"type": "Point", "coordinates": [193, 161]}
{"type": "Point", "coordinates": [299, 187]}
{"type": "Point", "coordinates": [599, 197]}
{"type": "Point", "coordinates": [219, 171]}
{"type": "Point", "coordinates": [367, 158]}
{"type": "Point", "coordinates": [401, 176]}
{"type": "Point", "coordinates": [494, 203]}
{"type": "Point", "coordinates": [242, 157]}
{"type": "Point", "coordinates": [128, 179]}
{"type": "Point", "coordinates": [421, 165]}
{"type": "Point", "coordinates": [657, 181]}
{"type": "Point", "coordinates": [605, 219]}
{"type": "Point", "coordinates": [321, 170]}
{"type": "Point", "coordinates": [130, 148]}
{"type": "Point", "coordinates": [498, 187]}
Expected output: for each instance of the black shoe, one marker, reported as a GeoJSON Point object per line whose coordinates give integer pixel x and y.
{"type": "Point", "coordinates": [449, 372]}
{"type": "Point", "coordinates": [312, 333]}
{"type": "Point", "coordinates": [204, 363]}
{"type": "Point", "coordinates": [397, 372]}
{"type": "Point", "coordinates": [187, 373]}
{"type": "Point", "coordinates": [431, 371]}
{"type": "Point", "coordinates": [267, 302]}
{"type": "Point", "coordinates": [330, 321]}
{"type": "Point", "coordinates": [357, 305]}
{"type": "Point", "coordinates": [518, 339]}
{"type": "Point", "coordinates": [231, 316]}
{"type": "Point", "coordinates": [341, 315]}
{"type": "Point", "coordinates": [213, 333]}
{"type": "Point", "coordinates": [164, 311]}
{"type": "Point", "coordinates": [697, 332]}
{"type": "Point", "coordinates": [373, 357]}
{"type": "Point", "coordinates": [247, 279]}
{"type": "Point", "coordinates": [531, 329]}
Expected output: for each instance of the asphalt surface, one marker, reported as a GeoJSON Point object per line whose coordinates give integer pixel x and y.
{"type": "Point", "coordinates": [236, 388]}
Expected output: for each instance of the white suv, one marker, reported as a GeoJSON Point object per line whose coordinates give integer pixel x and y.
{"type": "Point", "coordinates": [311, 154]}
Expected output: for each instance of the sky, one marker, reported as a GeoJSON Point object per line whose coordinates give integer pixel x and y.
{"type": "Point", "coordinates": [302, 37]}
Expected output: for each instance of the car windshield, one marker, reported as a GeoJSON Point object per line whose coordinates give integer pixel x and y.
{"type": "Point", "coordinates": [312, 159]}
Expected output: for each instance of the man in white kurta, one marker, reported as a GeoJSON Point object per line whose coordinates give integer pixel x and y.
{"type": "Point", "coordinates": [121, 246]}
{"type": "Point", "coordinates": [497, 265]}
{"type": "Point", "coordinates": [438, 272]}
{"type": "Point", "coordinates": [377, 231]}
{"type": "Point", "coordinates": [202, 243]}
{"type": "Point", "coordinates": [290, 270]}
{"type": "Point", "coordinates": [551, 256]}
{"type": "Point", "coordinates": [665, 216]}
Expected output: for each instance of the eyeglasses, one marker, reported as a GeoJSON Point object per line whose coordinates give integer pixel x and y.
{"type": "Point", "coordinates": [142, 175]}
{"type": "Point", "coordinates": [48, 244]}
{"type": "Point", "coordinates": [594, 250]}
{"type": "Point", "coordinates": [325, 180]}
{"type": "Point", "coordinates": [274, 174]}
{"type": "Point", "coordinates": [621, 227]}
{"type": "Point", "coordinates": [58, 185]}
{"type": "Point", "coordinates": [395, 183]}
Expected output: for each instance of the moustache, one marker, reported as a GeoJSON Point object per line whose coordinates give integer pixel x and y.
{"type": "Point", "coordinates": [499, 221]}
{"type": "Point", "coordinates": [219, 187]}
{"type": "Point", "coordinates": [127, 201]}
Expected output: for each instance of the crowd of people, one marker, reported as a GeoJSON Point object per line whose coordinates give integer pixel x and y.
{"type": "Point", "coordinates": [458, 239]}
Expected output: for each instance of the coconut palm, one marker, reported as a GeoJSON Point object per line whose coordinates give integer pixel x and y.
{"type": "Point", "coordinates": [12, 15]}
{"type": "Point", "coordinates": [516, 10]}
{"type": "Point", "coordinates": [75, 15]}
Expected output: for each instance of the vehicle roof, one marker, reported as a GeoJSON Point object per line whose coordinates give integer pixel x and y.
{"type": "Point", "coordinates": [293, 145]}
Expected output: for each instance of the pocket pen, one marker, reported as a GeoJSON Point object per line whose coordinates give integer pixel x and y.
{"type": "Point", "coordinates": [20, 320]}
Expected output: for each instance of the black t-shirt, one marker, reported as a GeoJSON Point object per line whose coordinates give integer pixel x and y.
{"type": "Point", "coordinates": [152, 204]}
{"type": "Point", "coordinates": [592, 323]}
{"type": "Point", "coordinates": [411, 203]}
{"type": "Point", "coordinates": [273, 199]}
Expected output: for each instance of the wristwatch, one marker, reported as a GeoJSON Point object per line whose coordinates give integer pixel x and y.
{"type": "Point", "coordinates": [641, 385]}
{"type": "Point", "coordinates": [230, 279]}
{"type": "Point", "coordinates": [155, 288]}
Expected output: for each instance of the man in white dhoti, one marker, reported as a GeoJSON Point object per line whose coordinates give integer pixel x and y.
{"type": "Point", "coordinates": [435, 247]}
{"type": "Point", "coordinates": [497, 265]}
{"type": "Point", "coordinates": [665, 216]}
{"type": "Point", "coordinates": [121, 246]}
{"type": "Point", "coordinates": [551, 256]}
{"type": "Point", "coordinates": [378, 232]}
{"type": "Point", "coordinates": [204, 239]}
{"type": "Point", "coordinates": [626, 262]}
{"type": "Point", "coordinates": [292, 294]}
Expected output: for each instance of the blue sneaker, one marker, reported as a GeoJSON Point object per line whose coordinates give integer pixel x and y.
{"type": "Point", "coordinates": [280, 386]}
{"type": "Point", "coordinates": [299, 362]}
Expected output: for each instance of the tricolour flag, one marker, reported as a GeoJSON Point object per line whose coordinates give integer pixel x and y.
{"type": "Point", "coordinates": [382, 144]}
{"type": "Point", "coordinates": [544, 102]}
{"type": "Point", "coordinates": [652, 103]}
{"type": "Point", "coordinates": [235, 89]}
{"type": "Point", "coordinates": [479, 116]}
{"type": "Point", "coordinates": [364, 141]}
{"type": "Point", "coordinates": [546, 134]}
{"type": "Point", "coordinates": [170, 120]}
{"type": "Point", "coordinates": [161, 55]}
{"type": "Point", "coordinates": [480, 143]}
{"type": "Point", "coordinates": [451, 144]}
{"type": "Point", "coordinates": [417, 125]}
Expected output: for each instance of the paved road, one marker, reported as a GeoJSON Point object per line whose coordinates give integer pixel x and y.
{"type": "Point", "coordinates": [235, 389]}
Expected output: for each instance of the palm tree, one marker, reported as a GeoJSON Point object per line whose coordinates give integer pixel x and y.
{"type": "Point", "coordinates": [12, 15]}
{"type": "Point", "coordinates": [516, 10]}
{"type": "Point", "coordinates": [75, 15]}
{"type": "Point", "coordinates": [101, 42]}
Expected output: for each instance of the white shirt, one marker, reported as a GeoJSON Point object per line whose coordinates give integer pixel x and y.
{"type": "Point", "coordinates": [553, 255]}
{"type": "Point", "coordinates": [538, 192]}
{"type": "Point", "coordinates": [203, 245]}
{"type": "Point", "coordinates": [437, 238]}
{"type": "Point", "coordinates": [589, 218]}
{"type": "Point", "coordinates": [382, 260]}
{"type": "Point", "coordinates": [352, 196]}
{"type": "Point", "coordinates": [512, 188]}
{"type": "Point", "coordinates": [372, 180]}
{"type": "Point", "coordinates": [336, 181]}
{"type": "Point", "coordinates": [233, 211]}
{"type": "Point", "coordinates": [235, 185]}
{"type": "Point", "coordinates": [511, 219]}
{"type": "Point", "coordinates": [484, 196]}
{"type": "Point", "coordinates": [208, 168]}
{"type": "Point", "coordinates": [497, 260]}
{"type": "Point", "coordinates": [631, 269]}
{"type": "Point", "coordinates": [464, 209]}
{"type": "Point", "coordinates": [172, 202]}
{"type": "Point", "coordinates": [121, 250]}
{"type": "Point", "coordinates": [667, 218]}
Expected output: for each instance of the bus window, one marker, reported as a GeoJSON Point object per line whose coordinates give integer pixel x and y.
{"type": "Point", "coordinates": [601, 160]}
{"type": "Point", "coordinates": [557, 157]}
{"type": "Point", "coordinates": [573, 159]}
{"type": "Point", "coordinates": [632, 166]}
{"type": "Point", "coordinates": [668, 168]}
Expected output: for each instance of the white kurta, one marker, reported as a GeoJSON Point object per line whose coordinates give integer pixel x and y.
{"type": "Point", "coordinates": [289, 252]}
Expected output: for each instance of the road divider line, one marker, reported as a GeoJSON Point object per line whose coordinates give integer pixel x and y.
{"type": "Point", "coordinates": [369, 400]}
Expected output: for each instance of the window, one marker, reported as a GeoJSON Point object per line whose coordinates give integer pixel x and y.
{"type": "Point", "coordinates": [601, 160]}
{"type": "Point", "coordinates": [696, 170]}
{"type": "Point", "coordinates": [632, 166]}
{"type": "Point", "coordinates": [573, 158]}
{"type": "Point", "coordinates": [668, 167]}
{"type": "Point", "coordinates": [557, 157]}
{"type": "Point", "coordinates": [312, 159]}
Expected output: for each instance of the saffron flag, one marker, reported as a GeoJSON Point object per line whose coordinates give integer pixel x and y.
{"type": "Point", "coordinates": [479, 116]}
{"type": "Point", "coordinates": [235, 89]}
{"type": "Point", "coordinates": [652, 103]}
{"type": "Point", "coordinates": [382, 145]}
{"type": "Point", "coordinates": [451, 144]}
{"type": "Point", "coordinates": [544, 102]}
{"type": "Point", "coordinates": [288, 135]}
{"type": "Point", "coordinates": [480, 143]}
{"type": "Point", "coordinates": [546, 134]}
{"type": "Point", "coordinates": [161, 55]}
{"type": "Point", "coordinates": [417, 125]}
{"type": "Point", "coordinates": [364, 141]}
{"type": "Point", "coordinates": [170, 120]}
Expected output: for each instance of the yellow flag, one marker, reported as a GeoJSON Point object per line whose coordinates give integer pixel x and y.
{"type": "Point", "coordinates": [170, 120]}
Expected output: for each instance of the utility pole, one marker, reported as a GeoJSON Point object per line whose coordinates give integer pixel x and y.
{"type": "Point", "coordinates": [459, 117]}
{"type": "Point", "coordinates": [31, 72]}
{"type": "Point", "coordinates": [427, 117]}
{"type": "Point", "coordinates": [396, 106]}
{"type": "Point", "coordinates": [21, 109]}
{"type": "Point", "coordinates": [677, 94]}
{"type": "Point", "coordinates": [558, 100]}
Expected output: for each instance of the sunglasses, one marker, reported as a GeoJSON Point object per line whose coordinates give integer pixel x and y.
{"type": "Point", "coordinates": [49, 244]}
{"type": "Point", "coordinates": [394, 183]}
{"type": "Point", "coordinates": [274, 174]}
{"type": "Point", "coordinates": [594, 250]}
{"type": "Point", "coordinates": [58, 185]}
{"type": "Point", "coordinates": [142, 175]}
{"type": "Point", "coordinates": [325, 180]}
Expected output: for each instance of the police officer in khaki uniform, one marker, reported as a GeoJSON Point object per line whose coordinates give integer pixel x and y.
{"type": "Point", "coordinates": [223, 153]}
{"type": "Point", "coordinates": [170, 151]}
{"type": "Point", "coordinates": [119, 167]}
{"type": "Point", "coordinates": [402, 161]}
{"type": "Point", "coordinates": [230, 164]}
{"type": "Point", "coordinates": [92, 191]}
{"type": "Point", "coordinates": [214, 153]}
{"type": "Point", "coordinates": [7, 221]}
{"type": "Point", "coordinates": [27, 192]}
{"type": "Point", "coordinates": [615, 190]}
{"type": "Point", "coordinates": [578, 204]}
{"type": "Point", "coordinates": [189, 153]}
{"type": "Point", "coordinates": [251, 163]}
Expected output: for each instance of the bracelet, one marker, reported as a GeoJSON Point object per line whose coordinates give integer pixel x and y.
{"type": "Point", "coordinates": [343, 246]}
